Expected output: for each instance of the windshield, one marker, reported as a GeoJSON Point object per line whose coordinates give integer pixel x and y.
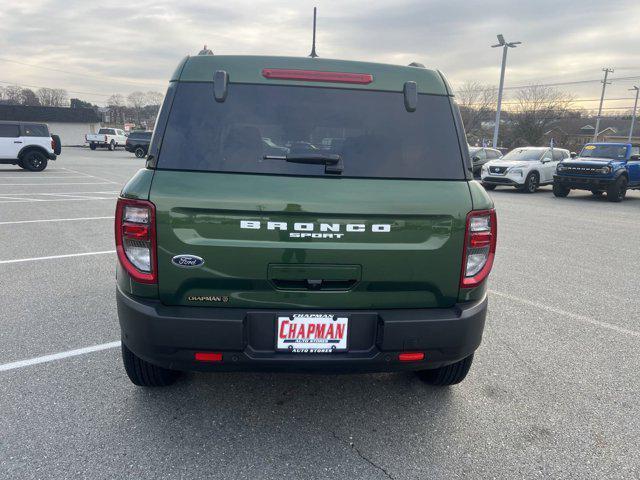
{"type": "Point", "coordinates": [371, 131]}
{"type": "Point", "coordinates": [615, 152]}
{"type": "Point", "coordinates": [524, 155]}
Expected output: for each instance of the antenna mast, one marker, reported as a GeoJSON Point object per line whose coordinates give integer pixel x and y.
{"type": "Point", "coordinates": [313, 53]}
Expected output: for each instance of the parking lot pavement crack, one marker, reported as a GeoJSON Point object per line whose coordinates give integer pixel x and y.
{"type": "Point", "coordinates": [353, 447]}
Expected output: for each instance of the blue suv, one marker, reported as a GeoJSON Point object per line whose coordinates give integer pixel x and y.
{"type": "Point", "coordinates": [601, 167]}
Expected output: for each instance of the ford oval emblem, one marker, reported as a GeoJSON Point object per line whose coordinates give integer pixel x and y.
{"type": "Point", "coordinates": [187, 261]}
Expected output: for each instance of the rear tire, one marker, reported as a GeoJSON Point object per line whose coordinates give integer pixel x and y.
{"type": "Point", "coordinates": [489, 186]}
{"type": "Point", "coordinates": [617, 190]}
{"type": "Point", "coordinates": [139, 152]}
{"type": "Point", "coordinates": [92, 146]}
{"type": "Point", "coordinates": [560, 191]}
{"type": "Point", "coordinates": [531, 183]}
{"type": "Point", "coordinates": [112, 146]}
{"type": "Point", "coordinates": [34, 161]}
{"type": "Point", "coordinates": [448, 375]}
{"type": "Point", "coordinates": [145, 374]}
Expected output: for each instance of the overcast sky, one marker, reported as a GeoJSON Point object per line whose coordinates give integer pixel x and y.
{"type": "Point", "coordinates": [119, 46]}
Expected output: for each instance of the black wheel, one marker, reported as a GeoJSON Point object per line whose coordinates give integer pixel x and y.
{"type": "Point", "coordinates": [139, 152]}
{"type": "Point", "coordinates": [560, 190]}
{"type": "Point", "coordinates": [34, 161]}
{"type": "Point", "coordinates": [489, 186]}
{"type": "Point", "coordinates": [617, 190]}
{"type": "Point", "coordinates": [144, 374]}
{"type": "Point", "coordinates": [92, 146]}
{"type": "Point", "coordinates": [112, 146]}
{"type": "Point", "coordinates": [449, 375]}
{"type": "Point", "coordinates": [20, 164]}
{"type": "Point", "coordinates": [531, 183]}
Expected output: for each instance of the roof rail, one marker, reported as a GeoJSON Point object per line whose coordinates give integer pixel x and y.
{"type": "Point", "coordinates": [417, 64]}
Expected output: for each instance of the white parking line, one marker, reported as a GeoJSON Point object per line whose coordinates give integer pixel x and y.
{"type": "Point", "coordinates": [60, 193]}
{"type": "Point", "coordinates": [58, 356]}
{"type": "Point", "coordinates": [41, 184]}
{"type": "Point", "coordinates": [88, 175]}
{"type": "Point", "coordinates": [46, 177]}
{"type": "Point", "coordinates": [55, 220]}
{"type": "Point", "coordinates": [565, 314]}
{"type": "Point", "coordinates": [53, 257]}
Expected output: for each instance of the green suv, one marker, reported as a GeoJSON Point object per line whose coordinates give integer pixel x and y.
{"type": "Point", "coordinates": [304, 214]}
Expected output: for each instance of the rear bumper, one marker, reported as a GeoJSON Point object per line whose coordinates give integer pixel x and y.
{"type": "Point", "coordinates": [170, 336]}
{"type": "Point", "coordinates": [584, 183]}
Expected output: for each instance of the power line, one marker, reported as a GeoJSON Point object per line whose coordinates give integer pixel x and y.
{"type": "Point", "coordinates": [99, 77]}
{"type": "Point", "coordinates": [559, 84]}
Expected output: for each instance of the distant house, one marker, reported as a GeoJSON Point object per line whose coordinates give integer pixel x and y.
{"type": "Point", "coordinates": [71, 124]}
{"type": "Point", "coordinates": [575, 132]}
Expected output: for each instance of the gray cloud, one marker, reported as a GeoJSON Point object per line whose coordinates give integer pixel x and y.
{"type": "Point", "coordinates": [119, 46]}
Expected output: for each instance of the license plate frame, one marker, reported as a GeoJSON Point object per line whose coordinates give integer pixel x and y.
{"type": "Point", "coordinates": [314, 333]}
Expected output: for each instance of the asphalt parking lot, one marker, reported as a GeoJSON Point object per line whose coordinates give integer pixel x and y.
{"type": "Point", "coordinates": [553, 391]}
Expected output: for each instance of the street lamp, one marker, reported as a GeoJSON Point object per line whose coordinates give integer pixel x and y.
{"type": "Point", "coordinates": [505, 46]}
{"type": "Point", "coordinates": [633, 115]}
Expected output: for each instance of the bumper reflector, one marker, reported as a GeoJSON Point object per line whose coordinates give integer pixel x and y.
{"type": "Point", "coordinates": [208, 356]}
{"type": "Point", "coordinates": [411, 356]}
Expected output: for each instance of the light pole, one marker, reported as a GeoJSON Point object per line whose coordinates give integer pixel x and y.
{"type": "Point", "coordinates": [633, 115]}
{"type": "Point", "coordinates": [606, 71]}
{"type": "Point", "coordinates": [505, 46]}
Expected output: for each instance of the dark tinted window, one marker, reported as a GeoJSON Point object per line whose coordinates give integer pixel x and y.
{"type": "Point", "coordinates": [559, 154]}
{"type": "Point", "coordinates": [8, 130]}
{"type": "Point", "coordinates": [140, 135]}
{"type": "Point", "coordinates": [106, 131]}
{"type": "Point", "coordinates": [372, 131]}
{"type": "Point", "coordinates": [35, 131]}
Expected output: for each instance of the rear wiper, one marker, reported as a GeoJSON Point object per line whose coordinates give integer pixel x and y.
{"type": "Point", "coordinates": [332, 162]}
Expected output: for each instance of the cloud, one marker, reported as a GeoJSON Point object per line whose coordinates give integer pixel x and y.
{"type": "Point", "coordinates": [120, 46]}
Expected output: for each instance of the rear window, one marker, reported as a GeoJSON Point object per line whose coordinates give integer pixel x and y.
{"type": "Point", "coordinates": [372, 132]}
{"type": "Point", "coordinates": [106, 131]}
{"type": "Point", "coordinates": [35, 131]}
{"type": "Point", "coordinates": [9, 130]}
{"type": "Point", "coordinates": [141, 135]}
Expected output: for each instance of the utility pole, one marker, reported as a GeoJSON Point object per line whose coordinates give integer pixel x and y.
{"type": "Point", "coordinates": [606, 71]}
{"type": "Point", "coordinates": [633, 115]}
{"type": "Point", "coordinates": [505, 47]}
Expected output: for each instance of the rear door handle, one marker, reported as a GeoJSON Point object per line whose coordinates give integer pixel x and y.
{"type": "Point", "coordinates": [17, 141]}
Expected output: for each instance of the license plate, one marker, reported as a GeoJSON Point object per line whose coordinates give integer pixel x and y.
{"type": "Point", "coordinates": [312, 333]}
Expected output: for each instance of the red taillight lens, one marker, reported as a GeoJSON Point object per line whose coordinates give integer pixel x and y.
{"type": "Point", "coordinates": [411, 356]}
{"type": "Point", "coordinates": [136, 239]}
{"type": "Point", "coordinates": [317, 76]}
{"type": "Point", "coordinates": [53, 144]}
{"type": "Point", "coordinates": [479, 247]}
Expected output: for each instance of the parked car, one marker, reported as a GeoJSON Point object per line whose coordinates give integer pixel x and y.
{"type": "Point", "coordinates": [28, 145]}
{"type": "Point", "coordinates": [480, 156]}
{"type": "Point", "coordinates": [375, 259]}
{"type": "Point", "coordinates": [138, 143]}
{"type": "Point", "coordinates": [525, 168]}
{"type": "Point", "coordinates": [110, 138]}
{"type": "Point", "coordinates": [601, 167]}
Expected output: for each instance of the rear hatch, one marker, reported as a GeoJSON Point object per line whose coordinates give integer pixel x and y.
{"type": "Point", "coordinates": [386, 231]}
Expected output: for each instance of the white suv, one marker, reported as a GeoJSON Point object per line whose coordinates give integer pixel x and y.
{"type": "Point", "coordinates": [525, 168]}
{"type": "Point", "coordinates": [28, 145]}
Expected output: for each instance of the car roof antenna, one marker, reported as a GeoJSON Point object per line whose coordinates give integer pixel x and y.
{"type": "Point", "coordinates": [313, 53]}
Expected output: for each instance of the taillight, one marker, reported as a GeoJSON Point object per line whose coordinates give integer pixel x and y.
{"type": "Point", "coordinates": [53, 144]}
{"type": "Point", "coordinates": [479, 247]}
{"type": "Point", "coordinates": [317, 76]}
{"type": "Point", "coordinates": [136, 239]}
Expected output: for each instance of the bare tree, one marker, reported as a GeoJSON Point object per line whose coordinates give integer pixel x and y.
{"type": "Point", "coordinates": [13, 94]}
{"type": "Point", "coordinates": [153, 98]}
{"type": "Point", "coordinates": [29, 98]}
{"type": "Point", "coordinates": [535, 109]}
{"type": "Point", "coordinates": [116, 104]}
{"type": "Point", "coordinates": [477, 104]}
{"type": "Point", "coordinates": [137, 100]}
{"type": "Point", "coordinates": [53, 97]}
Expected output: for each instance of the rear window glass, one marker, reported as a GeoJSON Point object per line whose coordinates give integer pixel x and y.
{"type": "Point", "coordinates": [371, 131]}
{"type": "Point", "coordinates": [35, 130]}
{"type": "Point", "coordinates": [142, 135]}
{"type": "Point", "coordinates": [106, 131]}
{"type": "Point", "coordinates": [9, 130]}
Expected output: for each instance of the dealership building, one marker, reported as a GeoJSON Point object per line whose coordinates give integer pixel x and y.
{"type": "Point", "coordinates": [71, 124]}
